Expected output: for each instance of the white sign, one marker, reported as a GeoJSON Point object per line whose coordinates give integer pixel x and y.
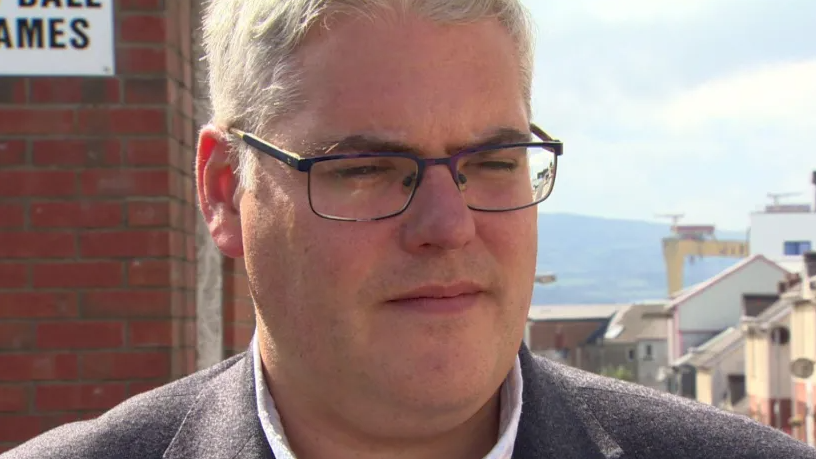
{"type": "Point", "coordinates": [56, 37]}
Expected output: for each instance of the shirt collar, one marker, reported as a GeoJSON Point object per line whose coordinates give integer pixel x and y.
{"type": "Point", "coordinates": [510, 402]}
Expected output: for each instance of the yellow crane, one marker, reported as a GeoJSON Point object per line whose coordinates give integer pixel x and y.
{"type": "Point", "coordinates": [693, 241]}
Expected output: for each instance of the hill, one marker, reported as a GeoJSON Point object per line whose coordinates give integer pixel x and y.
{"type": "Point", "coordinates": [599, 260]}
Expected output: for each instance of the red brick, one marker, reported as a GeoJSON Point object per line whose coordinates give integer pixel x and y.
{"type": "Point", "coordinates": [136, 388]}
{"type": "Point", "coordinates": [174, 66]}
{"type": "Point", "coordinates": [74, 90]}
{"type": "Point", "coordinates": [12, 91]}
{"type": "Point", "coordinates": [190, 330]}
{"type": "Point", "coordinates": [13, 215]}
{"type": "Point", "coordinates": [13, 398]}
{"type": "Point", "coordinates": [12, 275]}
{"type": "Point", "coordinates": [38, 367]}
{"type": "Point", "coordinates": [149, 213]}
{"type": "Point", "coordinates": [50, 421]}
{"type": "Point", "coordinates": [26, 121]}
{"type": "Point", "coordinates": [77, 275]}
{"type": "Point", "coordinates": [132, 243]}
{"type": "Point", "coordinates": [140, 5]}
{"type": "Point", "coordinates": [146, 91]}
{"type": "Point", "coordinates": [127, 304]}
{"type": "Point", "coordinates": [187, 218]}
{"type": "Point", "coordinates": [141, 60]}
{"type": "Point", "coordinates": [83, 214]}
{"type": "Point", "coordinates": [37, 245]}
{"type": "Point", "coordinates": [16, 336]}
{"type": "Point", "coordinates": [238, 335]}
{"type": "Point", "coordinates": [124, 182]}
{"type": "Point", "coordinates": [77, 153]}
{"type": "Point", "coordinates": [155, 333]}
{"type": "Point", "coordinates": [125, 365]}
{"type": "Point", "coordinates": [187, 108]}
{"type": "Point", "coordinates": [79, 335]}
{"type": "Point", "coordinates": [239, 311]}
{"type": "Point", "coordinates": [101, 90]}
{"type": "Point", "coordinates": [150, 273]}
{"type": "Point", "coordinates": [148, 152]}
{"type": "Point", "coordinates": [12, 152]}
{"type": "Point", "coordinates": [19, 428]}
{"type": "Point", "coordinates": [122, 121]}
{"type": "Point", "coordinates": [73, 397]}
{"type": "Point", "coordinates": [56, 90]}
{"type": "Point", "coordinates": [39, 183]}
{"type": "Point", "coordinates": [142, 28]}
{"type": "Point", "coordinates": [38, 305]}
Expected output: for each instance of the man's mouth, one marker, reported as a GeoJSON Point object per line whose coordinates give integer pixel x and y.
{"type": "Point", "coordinates": [440, 298]}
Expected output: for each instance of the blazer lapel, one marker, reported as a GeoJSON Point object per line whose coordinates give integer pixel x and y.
{"type": "Point", "coordinates": [223, 423]}
{"type": "Point", "coordinates": [554, 424]}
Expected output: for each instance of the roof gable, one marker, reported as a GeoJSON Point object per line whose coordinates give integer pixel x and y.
{"type": "Point", "coordinates": [697, 289]}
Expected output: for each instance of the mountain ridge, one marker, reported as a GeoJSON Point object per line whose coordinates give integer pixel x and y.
{"type": "Point", "coordinates": [610, 260]}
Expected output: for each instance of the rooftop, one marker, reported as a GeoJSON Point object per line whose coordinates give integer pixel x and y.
{"type": "Point", "coordinates": [565, 312]}
{"type": "Point", "coordinates": [711, 349]}
{"type": "Point", "coordinates": [694, 290]}
{"type": "Point", "coordinates": [637, 322]}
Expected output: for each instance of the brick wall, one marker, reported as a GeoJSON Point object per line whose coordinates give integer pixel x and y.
{"type": "Point", "coordinates": [239, 314]}
{"type": "Point", "coordinates": [97, 221]}
{"type": "Point", "coordinates": [565, 335]}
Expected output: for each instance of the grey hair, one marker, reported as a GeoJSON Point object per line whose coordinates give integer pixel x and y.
{"type": "Point", "coordinates": [249, 44]}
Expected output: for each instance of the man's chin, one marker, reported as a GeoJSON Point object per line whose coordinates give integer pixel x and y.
{"type": "Point", "coordinates": [445, 372]}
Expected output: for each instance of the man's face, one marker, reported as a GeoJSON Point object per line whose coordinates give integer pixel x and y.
{"type": "Point", "coordinates": [325, 288]}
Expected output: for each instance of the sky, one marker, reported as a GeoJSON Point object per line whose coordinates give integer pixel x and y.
{"type": "Point", "coordinates": [696, 107]}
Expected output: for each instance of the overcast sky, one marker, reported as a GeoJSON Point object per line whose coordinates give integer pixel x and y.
{"type": "Point", "coordinates": [699, 107]}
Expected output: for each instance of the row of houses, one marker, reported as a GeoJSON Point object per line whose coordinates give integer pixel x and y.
{"type": "Point", "coordinates": [744, 340]}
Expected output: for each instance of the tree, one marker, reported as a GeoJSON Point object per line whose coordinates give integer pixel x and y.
{"type": "Point", "coordinates": [618, 372]}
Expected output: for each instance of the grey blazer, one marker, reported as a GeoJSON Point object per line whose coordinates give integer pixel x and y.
{"type": "Point", "coordinates": [567, 414]}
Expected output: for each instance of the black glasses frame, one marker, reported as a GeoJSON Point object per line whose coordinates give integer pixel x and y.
{"type": "Point", "coordinates": [304, 164]}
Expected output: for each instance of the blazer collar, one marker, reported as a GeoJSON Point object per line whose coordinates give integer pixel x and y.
{"type": "Point", "coordinates": [555, 424]}
{"type": "Point", "coordinates": [223, 422]}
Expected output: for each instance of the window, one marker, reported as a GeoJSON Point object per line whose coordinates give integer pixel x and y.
{"type": "Point", "coordinates": [796, 247]}
{"type": "Point", "coordinates": [631, 354]}
{"type": "Point", "coordinates": [647, 354]}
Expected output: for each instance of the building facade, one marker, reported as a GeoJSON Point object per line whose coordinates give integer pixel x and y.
{"type": "Point", "coordinates": [784, 233]}
{"type": "Point", "coordinates": [702, 311]}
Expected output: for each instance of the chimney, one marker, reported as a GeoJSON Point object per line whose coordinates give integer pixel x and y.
{"type": "Point", "coordinates": [782, 287]}
{"type": "Point", "coordinates": [813, 181]}
{"type": "Point", "coordinates": [810, 264]}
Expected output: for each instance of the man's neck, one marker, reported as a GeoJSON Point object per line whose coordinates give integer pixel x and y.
{"type": "Point", "coordinates": [296, 421]}
{"type": "Point", "coordinates": [314, 435]}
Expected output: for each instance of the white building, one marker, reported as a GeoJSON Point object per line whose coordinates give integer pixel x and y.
{"type": "Point", "coordinates": [782, 233]}
{"type": "Point", "coordinates": [704, 310]}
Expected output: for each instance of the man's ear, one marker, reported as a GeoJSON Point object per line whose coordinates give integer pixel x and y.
{"type": "Point", "coordinates": [217, 186]}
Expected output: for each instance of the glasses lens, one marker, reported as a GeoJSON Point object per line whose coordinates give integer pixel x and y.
{"type": "Point", "coordinates": [508, 178]}
{"type": "Point", "coordinates": [362, 188]}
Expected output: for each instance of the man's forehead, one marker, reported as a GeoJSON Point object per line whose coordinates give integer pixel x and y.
{"type": "Point", "coordinates": [401, 141]}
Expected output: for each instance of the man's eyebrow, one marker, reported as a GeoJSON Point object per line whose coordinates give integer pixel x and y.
{"type": "Point", "coordinates": [358, 143]}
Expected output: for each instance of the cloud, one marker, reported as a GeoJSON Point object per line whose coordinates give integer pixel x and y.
{"type": "Point", "coordinates": [782, 96]}
{"type": "Point", "coordinates": [700, 107]}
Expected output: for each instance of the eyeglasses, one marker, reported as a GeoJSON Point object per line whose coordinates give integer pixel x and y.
{"type": "Point", "coordinates": [370, 186]}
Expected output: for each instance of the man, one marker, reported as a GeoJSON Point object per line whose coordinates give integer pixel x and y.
{"type": "Point", "coordinates": [375, 165]}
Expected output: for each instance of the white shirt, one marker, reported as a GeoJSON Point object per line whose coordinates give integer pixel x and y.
{"type": "Point", "coordinates": [510, 403]}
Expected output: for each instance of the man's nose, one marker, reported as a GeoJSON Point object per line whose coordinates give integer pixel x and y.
{"type": "Point", "coordinates": [438, 217]}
